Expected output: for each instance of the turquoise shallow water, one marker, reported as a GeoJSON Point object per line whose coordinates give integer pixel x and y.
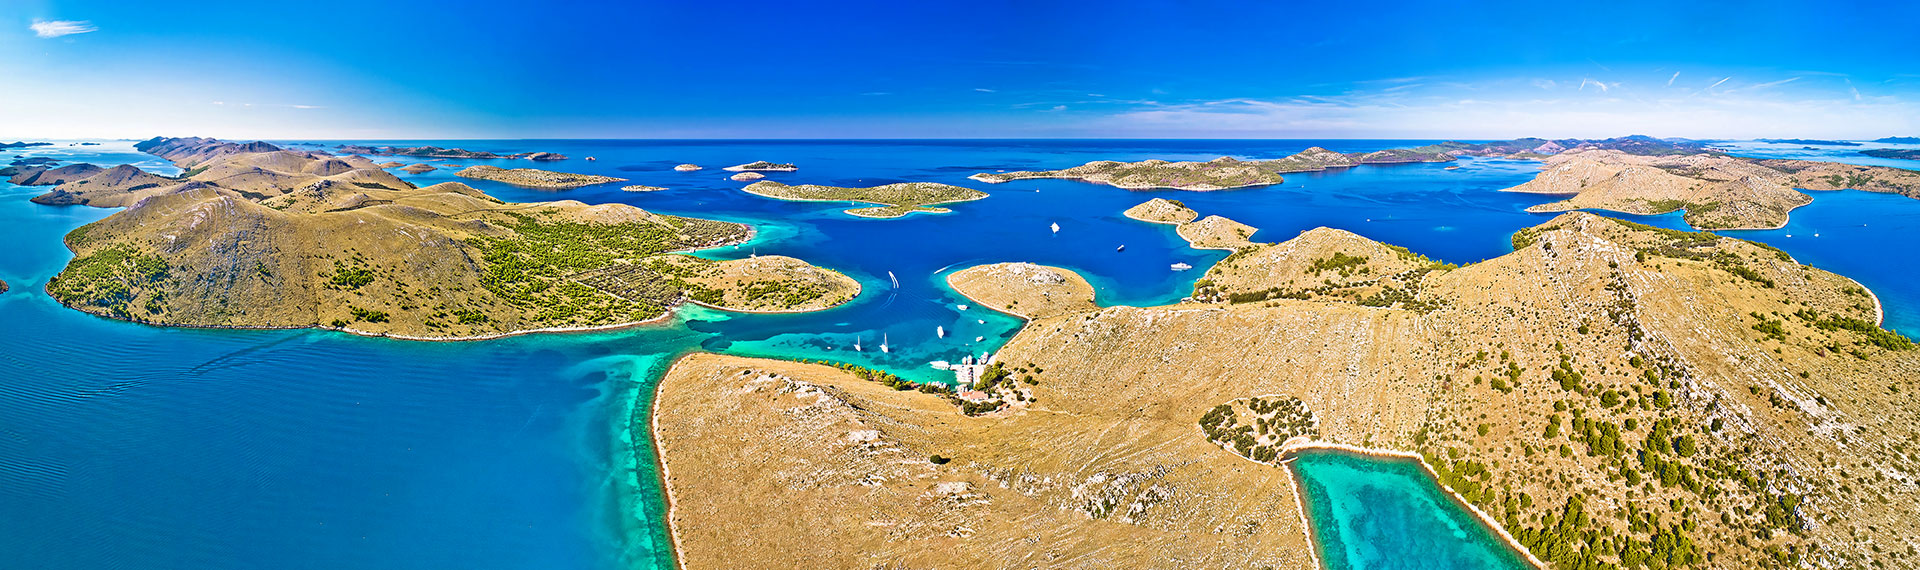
{"type": "Point", "coordinates": [128, 446]}
{"type": "Point", "coordinates": [1371, 512]}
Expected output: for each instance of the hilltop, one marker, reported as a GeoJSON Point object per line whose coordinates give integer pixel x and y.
{"type": "Point", "coordinates": [1608, 393]}
{"type": "Point", "coordinates": [1717, 191]}
{"type": "Point", "coordinates": [895, 200]}
{"type": "Point", "coordinates": [287, 239]}
{"type": "Point", "coordinates": [1025, 290]}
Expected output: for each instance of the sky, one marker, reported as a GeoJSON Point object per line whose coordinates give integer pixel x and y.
{"type": "Point", "coordinates": [394, 69]}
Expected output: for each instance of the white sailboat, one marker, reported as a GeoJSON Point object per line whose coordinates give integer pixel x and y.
{"type": "Point", "coordinates": [883, 344]}
{"type": "Point", "coordinates": [941, 331]}
{"type": "Point", "coordinates": [856, 344]}
{"type": "Point", "coordinates": [1056, 227]}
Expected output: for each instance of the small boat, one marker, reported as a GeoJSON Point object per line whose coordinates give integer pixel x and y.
{"type": "Point", "coordinates": [940, 331]}
{"type": "Point", "coordinates": [896, 280]}
{"type": "Point", "coordinates": [1056, 227]}
{"type": "Point", "coordinates": [856, 344]}
{"type": "Point", "coordinates": [883, 344]}
{"type": "Point", "coordinates": [979, 338]}
{"type": "Point", "coordinates": [1181, 267]}
{"type": "Point", "coordinates": [1123, 247]}
{"type": "Point", "coordinates": [981, 321]}
{"type": "Point", "coordinates": [961, 307]}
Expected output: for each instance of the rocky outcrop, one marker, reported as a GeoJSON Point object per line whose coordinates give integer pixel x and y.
{"type": "Point", "coordinates": [762, 166]}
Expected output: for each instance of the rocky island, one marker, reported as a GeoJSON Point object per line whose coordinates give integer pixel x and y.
{"type": "Point", "coordinates": [1024, 290]}
{"type": "Point", "coordinates": [1162, 211]}
{"type": "Point", "coordinates": [895, 200]}
{"type": "Point", "coordinates": [418, 168]}
{"type": "Point", "coordinates": [534, 178]}
{"type": "Point", "coordinates": [641, 188]}
{"type": "Point", "coordinates": [1607, 394]}
{"type": "Point", "coordinates": [1717, 191]}
{"type": "Point", "coordinates": [762, 166]}
{"type": "Point", "coordinates": [686, 167]}
{"type": "Point", "coordinates": [291, 239]}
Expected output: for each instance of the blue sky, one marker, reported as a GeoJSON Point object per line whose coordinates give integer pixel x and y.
{"type": "Point", "coordinates": [1183, 69]}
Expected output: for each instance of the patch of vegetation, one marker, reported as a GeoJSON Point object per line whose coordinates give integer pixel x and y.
{"type": "Point", "coordinates": [109, 279]}
{"type": "Point", "coordinates": [1268, 423]}
{"type": "Point", "coordinates": [1339, 262]}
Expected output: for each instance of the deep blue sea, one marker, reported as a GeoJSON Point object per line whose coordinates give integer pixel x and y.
{"type": "Point", "coordinates": [129, 446]}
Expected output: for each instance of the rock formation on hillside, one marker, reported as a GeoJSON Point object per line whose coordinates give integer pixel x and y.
{"type": "Point", "coordinates": [1608, 393]}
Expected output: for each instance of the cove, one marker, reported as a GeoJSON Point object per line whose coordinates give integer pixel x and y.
{"type": "Point", "coordinates": [1379, 512]}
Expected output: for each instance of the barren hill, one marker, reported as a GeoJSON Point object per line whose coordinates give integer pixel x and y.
{"type": "Point", "coordinates": [1609, 393]}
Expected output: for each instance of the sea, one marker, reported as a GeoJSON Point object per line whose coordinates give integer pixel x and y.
{"type": "Point", "coordinates": [132, 446]}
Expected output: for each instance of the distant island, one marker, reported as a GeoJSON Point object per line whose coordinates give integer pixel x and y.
{"type": "Point", "coordinates": [1605, 379]}
{"type": "Point", "coordinates": [895, 200]}
{"type": "Point", "coordinates": [1901, 153]}
{"type": "Point", "coordinates": [1898, 140]}
{"type": "Point", "coordinates": [18, 144]}
{"type": "Point", "coordinates": [641, 188]}
{"type": "Point", "coordinates": [686, 167]}
{"type": "Point", "coordinates": [1818, 142]}
{"type": "Point", "coordinates": [534, 178]}
{"type": "Point", "coordinates": [1716, 190]}
{"type": "Point", "coordinates": [418, 168]}
{"type": "Point", "coordinates": [437, 152]}
{"type": "Point", "coordinates": [1227, 173]}
{"type": "Point", "coordinates": [253, 236]}
{"type": "Point", "coordinates": [762, 166]}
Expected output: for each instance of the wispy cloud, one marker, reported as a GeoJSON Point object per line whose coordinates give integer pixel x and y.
{"type": "Point", "coordinates": [1676, 75]}
{"type": "Point", "coordinates": [1544, 83]}
{"type": "Point", "coordinates": [1765, 85]}
{"type": "Point", "coordinates": [986, 90]}
{"type": "Point", "coordinates": [1584, 82]}
{"type": "Point", "coordinates": [57, 28]}
{"type": "Point", "coordinates": [1722, 80]}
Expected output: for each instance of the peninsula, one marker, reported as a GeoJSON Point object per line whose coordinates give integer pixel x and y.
{"type": "Point", "coordinates": [1716, 190]}
{"type": "Point", "coordinates": [252, 238]}
{"type": "Point", "coordinates": [1608, 393]}
{"type": "Point", "coordinates": [1901, 153]}
{"type": "Point", "coordinates": [895, 200]}
{"type": "Point", "coordinates": [534, 178]}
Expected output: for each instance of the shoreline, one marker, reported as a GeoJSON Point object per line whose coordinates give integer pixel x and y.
{"type": "Point", "coordinates": [660, 458]}
{"type": "Point", "coordinates": [1288, 451]}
